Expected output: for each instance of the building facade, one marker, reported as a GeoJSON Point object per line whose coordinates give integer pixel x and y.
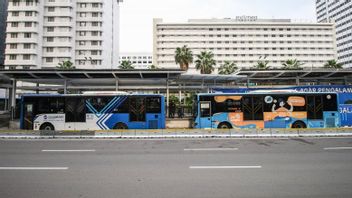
{"type": "Point", "coordinates": [3, 16]}
{"type": "Point", "coordinates": [139, 60]}
{"type": "Point", "coordinates": [43, 33]}
{"type": "Point", "coordinates": [339, 12]}
{"type": "Point", "coordinates": [245, 40]}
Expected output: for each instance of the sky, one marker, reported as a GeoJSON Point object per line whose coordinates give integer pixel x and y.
{"type": "Point", "coordinates": [136, 16]}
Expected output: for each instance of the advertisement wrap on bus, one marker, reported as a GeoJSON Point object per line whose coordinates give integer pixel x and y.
{"type": "Point", "coordinates": [344, 92]}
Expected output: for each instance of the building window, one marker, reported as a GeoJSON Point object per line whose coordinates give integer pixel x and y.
{"type": "Point", "coordinates": [83, 5]}
{"type": "Point", "coordinates": [13, 57]}
{"type": "Point", "coordinates": [15, 14]}
{"type": "Point", "coordinates": [82, 43]}
{"type": "Point", "coordinates": [49, 60]}
{"type": "Point", "coordinates": [14, 35]}
{"type": "Point", "coordinates": [13, 46]}
{"type": "Point", "coordinates": [82, 24]}
{"type": "Point", "coordinates": [95, 33]}
{"type": "Point", "coordinates": [51, 19]}
{"type": "Point", "coordinates": [82, 14]}
{"type": "Point", "coordinates": [81, 33]}
{"type": "Point", "coordinates": [28, 24]}
{"type": "Point", "coordinates": [27, 35]}
{"type": "Point", "coordinates": [49, 49]}
{"type": "Point", "coordinates": [51, 9]}
{"type": "Point", "coordinates": [28, 13]}
{"type": "Point", "coordinates": [27, 46]}
{"type": "Point", "coordinates": [95, 14]}
{"type": "Point", "coordinates": [50, 29]}
{"type": "Point", "coordinates": [29, 2]}
{"type": "Point", "coordinates": [50, 39]}
{"type": "Point", "coordinates": [14, 24]}
{"type": "Point", "coordinates": [26, 57]}
{"type": "Point", "coordinates": [95, 5]}
{"type": "Point", "coordinates": [94, 24]}
{"type": "Point", "coordinates": [94, 43]}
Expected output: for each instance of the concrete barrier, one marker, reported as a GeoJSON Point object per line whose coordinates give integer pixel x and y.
{"type": "Point", "coordinates": [182, 133]}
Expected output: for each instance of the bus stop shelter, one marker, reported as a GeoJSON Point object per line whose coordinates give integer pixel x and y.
{"type": "Point", "coordinates": [160, 80]}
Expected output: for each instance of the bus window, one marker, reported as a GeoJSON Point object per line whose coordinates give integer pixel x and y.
{"type": "Point", "coordinates": [122, 108]}
{"type": "Point", "coordinates": [153, 105]}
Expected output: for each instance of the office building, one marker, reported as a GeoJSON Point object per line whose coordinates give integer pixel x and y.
{"type": "Point", "coordinates": [340, 13]}
{"type": "Point", "coordinates": [41, 34]}
{"type": "Point", "coordinates": [140, 60]}
{"type": "Point", "coordinates": [3, 16]}
{"type": "Point", "coordinates": [245, 40]}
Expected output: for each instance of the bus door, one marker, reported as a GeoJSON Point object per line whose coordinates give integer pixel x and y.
{"type": "Point", "coordinates": [137, 113]}
{"type": "Point", "coordinates": [28, 116]}
{"type": "Point", "coordinates": [205, 120]}
{"type": "Point", "coordinates": [75, 114]}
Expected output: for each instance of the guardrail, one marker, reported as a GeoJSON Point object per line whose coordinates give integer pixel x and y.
{"type": "Point", "coordinates": [178, 133]}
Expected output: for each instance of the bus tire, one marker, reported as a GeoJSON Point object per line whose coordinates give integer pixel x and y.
{"type": "Point", "coordinates": [47, 127]}
{"type": "Point", "coordinates": [120, 125]}
{"type": "Point", "coordinates": [224, 125]}
{"type": "Point", "coordinates": [299, 125]}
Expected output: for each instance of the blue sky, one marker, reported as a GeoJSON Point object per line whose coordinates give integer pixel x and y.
{"type": "Point", "coordinates": [136, 16]}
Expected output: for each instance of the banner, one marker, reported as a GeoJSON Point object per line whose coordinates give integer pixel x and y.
{"type": "Point", "coordinates": [344, 92]}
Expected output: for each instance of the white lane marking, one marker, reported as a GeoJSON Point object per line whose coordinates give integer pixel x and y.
{"type": "Point", "coordinates": [211, 149]}
{"type": "Point", "coordinates": [338, 148]}
{"type": "Point", "coordinates": [33, 168]}
{"type": "Point", "coordinates": [92, 150]}
{"type": "Point", "coordinates": [224, 167]}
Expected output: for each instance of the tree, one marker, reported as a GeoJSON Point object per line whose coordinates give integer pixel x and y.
{"type": "Point", "coordinates": [227, 68]}
{"type": "Point", "coordinates": [333, 64]}
{"type": "Point", "coordinates": [66, 65]}
{"type": "Point", "coordinates": [183, 57]}
{"type": "Point", "coordinates": [292, 64]}
{"type": "Point", "coordinates": [205, 62]}
{"type": "Point", "coordinates": [152, 67]}
{"type": "Point", "coordinates": [126, 64]}
{"type": "Point", "coordinates": [262, 63]}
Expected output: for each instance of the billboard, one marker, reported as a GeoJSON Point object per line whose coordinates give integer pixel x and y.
{"type": "Point", "coordinates": [344, 91]}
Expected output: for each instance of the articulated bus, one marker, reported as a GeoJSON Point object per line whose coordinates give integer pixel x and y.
{"type": "Point", "coordinates": [92, 111]}
{"type": "Point", "coordinates": [267, 110]}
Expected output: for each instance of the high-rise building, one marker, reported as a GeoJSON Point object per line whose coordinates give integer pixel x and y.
{"type": "Point", "coordinates": [340, 13]}
{"type": "Point", "coordinates": [3, 16]}
{"type": "Point", "coordinates": [139, 60]}
{"type": "Point", "coordinates": [245, 40]}
{"type": "Point", "coordinates": [41, 34]}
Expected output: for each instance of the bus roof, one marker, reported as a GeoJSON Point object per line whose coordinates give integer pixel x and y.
{"type": "Point", "coordinates": [88, 94]}
{"type": "Point", "coordinates": [272, 92]}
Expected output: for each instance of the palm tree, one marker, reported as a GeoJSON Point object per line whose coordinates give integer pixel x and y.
{"type": "Point", "coordinates": [292, 64]}
{"type": "Point", "coordinates": [126, 64]}
{"type": "Point", "coordinates": [333, 64]}
{"type": "Point", "coordinates": [152, 67]}
{"type": "Point", "coordinates": [205, 62]}
{"type": "Point", "coordinates": [183, 57]}
{"type": "Point", "coordinates": [228, 68]}
{"type": "Point", "coordinates": [66, 65]}
{"type": "Point", "coordinates": [262, 64]}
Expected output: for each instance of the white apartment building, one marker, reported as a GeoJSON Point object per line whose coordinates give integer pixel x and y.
{"type": "Point", "coordinates": [245, 40]}
{"type": "Point", "coordinates": [340, 12]}
{"type": "Point", "coordinates": [43, 33]}
{"type": "Point", "coordinates": [139, 60]}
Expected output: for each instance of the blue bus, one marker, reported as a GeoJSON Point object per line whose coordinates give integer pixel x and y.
{"type": "Point", "coordinates": [267, 109]}
{"type": "Point", "coordinates": [92, 111]}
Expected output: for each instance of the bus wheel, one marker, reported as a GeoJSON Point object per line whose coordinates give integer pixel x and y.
{"type": "Point", "coordinates": [299, 125]}
{"type": "Point", "coordinates": [47, 127]}
{"type": "Point", "coordinates": [224, 125]}
{"type": "Point", "coordinates": [120, 125]}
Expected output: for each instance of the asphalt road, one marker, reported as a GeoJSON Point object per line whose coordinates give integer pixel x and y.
{"type": "Point", "coordinates": [199, 168]}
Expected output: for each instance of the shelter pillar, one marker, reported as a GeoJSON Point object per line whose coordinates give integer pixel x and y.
{"type": "Point", "coordinates": [297, 81]}
{"type": "Point", "coordinates": [65, 87]}
{"type": "Point", "coordinates": [37, 88]}
{"type": "Point", "coordinates": [167, 98]}
{"type": "Point", "coordinates": [13, 99]}
{"type": "Point", "coordinates": [116, 85]}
